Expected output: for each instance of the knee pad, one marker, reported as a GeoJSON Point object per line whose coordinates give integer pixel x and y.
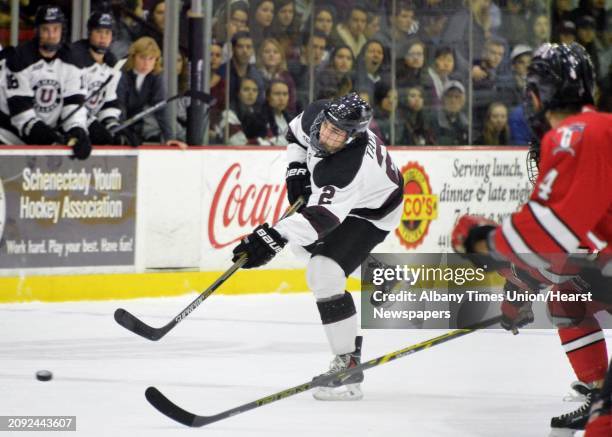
{"type": "Point", "coordinates": [338, 309]}
{"type": "Point", "coordinates": [325, 278]}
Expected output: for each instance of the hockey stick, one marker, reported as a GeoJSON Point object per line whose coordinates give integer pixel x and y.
{"type": "Point", "coordinates": [173, 411]}
{"type": "Point", "coordinates": [206, 98]}
{"type": "Point", "coordinates": [84, 102]}
{"type": "Point", "coordinates": [137, 326]}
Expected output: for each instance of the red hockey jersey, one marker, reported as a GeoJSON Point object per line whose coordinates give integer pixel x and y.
{"type": "Point", "coordinates": [571, 204]}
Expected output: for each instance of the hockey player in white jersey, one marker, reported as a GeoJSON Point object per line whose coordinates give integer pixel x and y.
{"type": "Point", "coordinates": [102, 78]}
{"type": "Point", "coordinates": [44, 88]}
{"type": "Point", "coordinates": [354, 196]}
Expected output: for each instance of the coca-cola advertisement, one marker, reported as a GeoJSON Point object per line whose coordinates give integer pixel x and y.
{"type": "Point", "coordinates": [249, 189]}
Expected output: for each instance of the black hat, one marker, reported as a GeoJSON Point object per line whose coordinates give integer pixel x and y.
{"type": "Point", "coordinates": [585, 21]}
{"type": "Point", "coordinates": [100, 20]}
{"type": "Point", "coordinates": [47, 14]}
{"type": "Point", "coordinates": [567, 26]}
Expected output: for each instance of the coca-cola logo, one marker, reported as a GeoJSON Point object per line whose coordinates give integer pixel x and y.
{"type": "Point", "coordinates": [241, 206]}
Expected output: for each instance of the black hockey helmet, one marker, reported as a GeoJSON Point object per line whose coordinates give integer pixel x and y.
{"type": "Point", "coordinates": [100, 20]}
{"type": "Point", "coordinates": [562, 77]}
{"type": "Point", "coordinates": [47, 14]}
{"type": "Point", "coordinates": [349, 113]}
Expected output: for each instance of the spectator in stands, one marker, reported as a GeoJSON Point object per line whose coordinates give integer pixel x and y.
{"type": "Point", "coordinates": [520, 132]}
{"type": "Point", "coordinates": [440, 72]}
{"type": "Point", "coordinates": [141, 86]}
{"type": "Point", "coordinates": [156, 22]}
{"type": "Point", "coordinates": [325, 17]}
{"type": "Point", "coordinates": [566, 32]}
{"type": "Point", "coordinates": [385, 112]}
{"type": "Point", "coordinates": [272, 65]}
{"type": "Point", "coordinates": [240, 66]}
{"type": "Point", "coordinates": [403, 26]}
{"type": "Point", "coordinates": [514, 87]}
{"type": "Point", "coordinates": [515, 23]}
{"type": "Point", "coordinates": [241, 124]}
{"type": "Point", "coordinates": [540, 30]}
{"type": "Point", "coordinates": [373, 24]}
{"type": "Point", "coordinates": [485, 70]}
{"type": "Point", "coordinates": [305, 68]}
{"type": "Point", "coordinates": [286, 27]}
{"type": "Point", "coordinates": [605, 51]}
{"type": "Point", "coordinates": [585, 35]}
{"type": "Point", "coordinates": [560, 11]}
{"type": "Point", "coordinates": [431, 28]}
{"type": "Point", "coordinates": [371, 67]}
{"type": "Point", "coordinates": [261, 15]}
{"type": "Point", "coordinates": [275, 113]}
{"type": "Point", "coordinates": [592, 8]}
{"type": "Point", "coordinates": [451, 127]}
{"type": "Point", "coordinates": [416, 129]}
{"type": "Point", "coordinates": [496, 131]}
{"type": "Point", "coordinates": [457, 33]}
{"type": "Point", "coordinates": [224, 29]}
{"type": "Point", "coordinates": [411, 68]}
{"type": "Point", "coordinates": [335, 79]}
{"type": "Point", "coordinates": [127, 28]}
{"type": "Point", "coordinates": [352, 32]}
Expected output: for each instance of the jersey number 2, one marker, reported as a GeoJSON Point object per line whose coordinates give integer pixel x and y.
{"type": "Point", "coordinates": [327, 193]}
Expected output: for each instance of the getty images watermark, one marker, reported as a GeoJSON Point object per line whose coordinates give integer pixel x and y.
{"type": "Point", "coordinates": [446, 291]}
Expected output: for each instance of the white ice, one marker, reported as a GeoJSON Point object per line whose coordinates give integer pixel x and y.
{"type": "Point", "coordinates": [236, 349]}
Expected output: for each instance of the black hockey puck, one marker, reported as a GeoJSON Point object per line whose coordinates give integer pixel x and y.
{"type": "Point", "coordinates": [44, 375]}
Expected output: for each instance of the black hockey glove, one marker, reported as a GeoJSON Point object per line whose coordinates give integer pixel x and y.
{"type": "Point", "coordinates": [99, 134]}
{"type": "Point", "coordinates": [79, 140]}
{"type": "Point", "coordinates": [260, 246]}
{"type": "Point", "coordinates": [126, 137]}
{"type": "Point", "coordinates": [298, 182]}
{"type": "Point", "coordinates": [41, 134]}
{"type": "Point", "coordinates": [515, 314]}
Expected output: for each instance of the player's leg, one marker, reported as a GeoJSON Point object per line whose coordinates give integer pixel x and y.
{"type": "Point", "coordinates": [600, 420]}
{"type": "Point", "coordinates": [585, 347]}
{"type": "Point", "coordinates": [333, 259]}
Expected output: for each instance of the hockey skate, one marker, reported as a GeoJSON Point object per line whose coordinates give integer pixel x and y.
{"type": "Point", "coordinates": [348, 388]}
{"type": "Point", "coordinates": [578, 393]}
{"type": "Point", "coordinates": [567, 424]}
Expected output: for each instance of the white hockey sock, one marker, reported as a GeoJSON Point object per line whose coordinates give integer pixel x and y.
{"type": "Point", "coordinates": [341, 335]}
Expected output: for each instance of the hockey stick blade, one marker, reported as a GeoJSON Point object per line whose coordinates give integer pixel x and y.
{"type": "Point", "coordinates": [173, 411]}
{"type": "Point", "coordinates": [137, 326]}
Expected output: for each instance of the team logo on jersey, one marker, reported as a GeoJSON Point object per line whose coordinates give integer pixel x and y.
{"type": "Point", "coordinates": [566, 137]}
{"type": "Point", "coordinates": [46, 95]}
{"type": "Point", "coordinates": [420, 206]}
{"type": "Point", "coordinates": [93, 102]}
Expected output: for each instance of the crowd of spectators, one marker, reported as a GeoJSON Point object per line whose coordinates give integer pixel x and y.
{"type": "Point", "coordinates": [436, 72]}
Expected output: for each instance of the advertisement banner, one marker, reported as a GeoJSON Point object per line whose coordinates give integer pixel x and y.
{"type": "Point", "coordinates": [244, 188]}
{"type": "Point", "coordinates": [58, 212]}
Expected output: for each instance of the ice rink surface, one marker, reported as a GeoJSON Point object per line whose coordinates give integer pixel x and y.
{"type": "Point", "coordinates": [236, 349]}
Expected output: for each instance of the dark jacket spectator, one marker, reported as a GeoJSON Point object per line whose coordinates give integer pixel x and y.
{"type": "Point", "coordinates": [372, 67]}
{"type": "Point", "coordinates": [385, 113]}
{"type": "Point", "coordinates": [417, 128]}
{"type": "Point", "coordinates": [451, 126]}
{"type": "Point", "coordinates": [335, 79]}
{"type": "Point", "coordinates": [141, 86]}
{"type": "Point", "coordinates": [261, 15]}
{"type": "Point", "coordinates": [156, 22]}
{"type": "Point", "coordinates": [311, 55]}
{"type": "Point", "coordinates": [411, 69]}
{"type": "Point", "coordinates": [242, 123]}
{"type": "Point", "coordinates": [495, 131]}
{"type": "Point", "coordinates": [286, 27]}
{"type": "Point", "coordinates": [240, 66]}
